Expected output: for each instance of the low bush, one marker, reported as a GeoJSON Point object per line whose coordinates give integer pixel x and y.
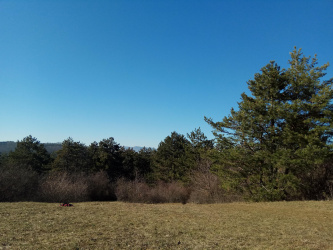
{"type": "Point", "coordinates": [100, 188]}
{"type": "Point", "coordinates": [139, 191]}
{"type": "Point", "coordinates": [64, 187]}
{"type": "Point", "coordinates": [173, 192]}
{"type": "Point", "coordinates": [206, 187]}
{"type": "Point", "coordinates": [317, 184]}
{"type": "Point", "coordinates": [131, 191]}
{"type": "Point", "coordinates": [17, 183]}
{"type": "Point", "coordinates": [74, 187]}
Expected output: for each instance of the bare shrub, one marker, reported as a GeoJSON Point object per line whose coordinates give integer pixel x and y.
{"type": "Point", "coordinates": [329, 194]}
{"type": "Point", "coordinates": [99, 187]}
{"type": "Point", "coordinates": [206, 187]}
{"type": "Point", "coordinates": [139, 191]}
{"type": "Point", "coordinates": [131, 191]}
{"type": "Point", "coordinates": [172, 192]}
{"type": "Point", "coordinates": [64, 187]}
{"type": "Point", "coordinates": [317, 184]}
{"type": "Point", "coordinates": [17, 183]}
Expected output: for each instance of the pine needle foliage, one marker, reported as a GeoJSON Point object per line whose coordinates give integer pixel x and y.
{"type": "Point", "coordinates": [281, 133]}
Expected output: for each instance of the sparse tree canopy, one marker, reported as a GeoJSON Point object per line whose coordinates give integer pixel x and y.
{"type": "Point", "coordinates": [199, 140]}
{"type": "Point", "coordinates": [281, 132]}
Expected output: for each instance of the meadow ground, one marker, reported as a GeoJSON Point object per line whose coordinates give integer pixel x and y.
{"type": "Point", "coordinates": [116, 225]}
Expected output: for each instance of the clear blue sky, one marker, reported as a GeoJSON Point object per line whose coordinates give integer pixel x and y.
{"type": "Point", "coordinates": [138, 70]}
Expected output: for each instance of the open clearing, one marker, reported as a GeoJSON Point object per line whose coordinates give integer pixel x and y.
{"type": "Point", "coordinates": [116, 225]}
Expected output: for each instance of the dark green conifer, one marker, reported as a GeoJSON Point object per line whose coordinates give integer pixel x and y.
{"type": "Point", "coordinates": [30, 153]}
{"type": "Point", "coordinates": [281, 133]}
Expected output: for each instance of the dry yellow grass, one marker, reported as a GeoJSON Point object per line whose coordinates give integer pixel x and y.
{"type": "Point", "coordinates": [116, 225]}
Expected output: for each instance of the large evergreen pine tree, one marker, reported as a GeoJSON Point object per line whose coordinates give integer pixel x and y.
{"type": "Point", "coordinates": [281, 134]}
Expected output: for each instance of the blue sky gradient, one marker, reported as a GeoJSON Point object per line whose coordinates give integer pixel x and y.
{"type": "Point", "coordinates": [138, 70]}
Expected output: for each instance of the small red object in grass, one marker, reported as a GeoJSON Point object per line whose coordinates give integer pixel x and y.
{"type": "Point", "coordinates": [66, 205]}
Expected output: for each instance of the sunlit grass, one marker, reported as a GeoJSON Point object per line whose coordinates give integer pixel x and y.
{"type": "Point", "coordinates": [116, 225]}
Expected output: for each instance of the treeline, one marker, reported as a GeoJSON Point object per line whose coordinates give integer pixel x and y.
{"type": "Point", "coordinates": [179, 170]}
{"type": "Point", "coordinates": [277, 145]}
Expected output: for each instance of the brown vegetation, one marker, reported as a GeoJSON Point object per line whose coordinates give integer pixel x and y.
{"type": "Point", "coordinates": [17, 183]}
{"type": "Point", "coordinates": [21, 184]}
{"type": "Point", "coordinates": [206, 187]}
{"type": "Point", "coordinates": [75, 187]}
{"type": "Point", "coordinates": [138, 191]}
{"type": "Point", "coordinates": [117, 225]}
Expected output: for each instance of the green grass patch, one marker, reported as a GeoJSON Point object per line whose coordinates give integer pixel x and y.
{"type": "Point", "coordinates": [116, 225]}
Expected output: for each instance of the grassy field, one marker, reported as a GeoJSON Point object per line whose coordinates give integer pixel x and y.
{"type": "Point", "coordinates": [116, 225]}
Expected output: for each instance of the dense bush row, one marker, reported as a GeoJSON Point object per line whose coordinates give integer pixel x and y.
{"type": "Point", "coordinates": [19, 184]}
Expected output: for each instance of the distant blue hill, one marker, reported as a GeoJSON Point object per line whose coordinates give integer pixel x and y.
{"type": "Point", "coordinates": [7, 146]}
